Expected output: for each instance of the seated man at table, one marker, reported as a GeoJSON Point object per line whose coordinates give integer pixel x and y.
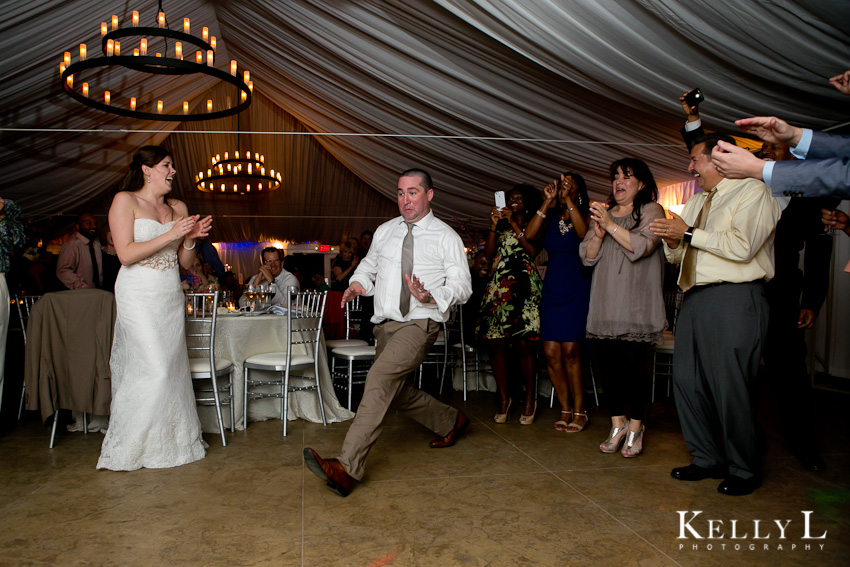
{"type": "Point", "coordinates": [272, 272]}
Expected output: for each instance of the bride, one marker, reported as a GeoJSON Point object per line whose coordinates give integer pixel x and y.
{"type": "Point", "coordinates": [153, 421]}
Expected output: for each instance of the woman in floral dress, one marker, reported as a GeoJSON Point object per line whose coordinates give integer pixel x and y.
{"type": "Point", "coordinates": [510, 310]}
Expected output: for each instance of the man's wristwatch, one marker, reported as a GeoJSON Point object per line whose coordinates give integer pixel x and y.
{"type": "Point", "coordinates": [688, 235]}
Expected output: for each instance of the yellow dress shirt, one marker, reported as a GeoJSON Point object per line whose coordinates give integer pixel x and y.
{"type": "Point", "coordinates": [736, 244]}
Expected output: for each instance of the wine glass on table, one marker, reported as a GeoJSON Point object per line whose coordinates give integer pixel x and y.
{"type": "Point", "coordinates": [249, 292]}
{"type": "Point", "coordinates": [262, 293]}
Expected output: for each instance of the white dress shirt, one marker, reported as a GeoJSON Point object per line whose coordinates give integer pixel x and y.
{"type": "Point", "coordinates": [439, 262]}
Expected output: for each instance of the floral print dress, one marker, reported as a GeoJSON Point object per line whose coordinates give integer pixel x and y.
{"type": "Point", "coordinates": [511, 304]}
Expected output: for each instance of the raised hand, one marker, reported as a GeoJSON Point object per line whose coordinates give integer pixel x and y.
{"type": "Point", "coordinates": [841, 82]}
{"type": "Point", "coordinates": [417, 289]}
{"type": "Point", "coordinates": [771, 129]}
{"type": "Point", "coordinates": [734, 162]}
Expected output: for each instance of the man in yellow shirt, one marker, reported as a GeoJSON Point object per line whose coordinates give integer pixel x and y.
{"type": "Point", "coordinates": [724, 242]}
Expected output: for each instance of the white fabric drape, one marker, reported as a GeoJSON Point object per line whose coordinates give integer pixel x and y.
{"type": "Point", "coordinates": [598, 78]}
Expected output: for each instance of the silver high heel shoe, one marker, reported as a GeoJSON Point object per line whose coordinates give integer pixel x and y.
{"type": "Point", "coordinates": [634, 443]}
{"type": "Point", "coordinates": [615, 439]}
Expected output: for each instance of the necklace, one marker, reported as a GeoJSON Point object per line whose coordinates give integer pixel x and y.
{"type": "Point", "coordinates": [564, 227]}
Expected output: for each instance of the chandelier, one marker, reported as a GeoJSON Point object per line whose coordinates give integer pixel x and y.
{"type": "Point", "coordinates": [238, 175]}
{"type": "Point", "coordinates": [144, 57]}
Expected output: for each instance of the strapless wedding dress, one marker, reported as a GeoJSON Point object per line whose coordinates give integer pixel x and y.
{"type": "Point", "coordinates": [153, 419]}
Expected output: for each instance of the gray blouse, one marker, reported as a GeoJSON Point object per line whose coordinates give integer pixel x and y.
{"type": "Point", "coordinates": [626, 300]}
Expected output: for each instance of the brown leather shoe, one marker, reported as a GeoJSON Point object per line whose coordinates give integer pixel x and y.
{"type": "Point", "coordinates": [329, 470]}
{"type": "Point", "coordinates": [460, 424]}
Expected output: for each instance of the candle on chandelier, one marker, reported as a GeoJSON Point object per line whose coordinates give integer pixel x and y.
{"type": "Point", "coordinates": [70, 81]}
{"type": "Point", "coordinates": [178, 49]}
{"type": "Point", "coordinates": [199, 58]}
{"type": "Point", "coordinates": [133, 103]}
{"type": "Point", "coordinates": [159, 54]}
{"type": "Point", "coordinates": [209, 108]}
{"type": "Point", "coordinates": [66, 57]}
{"type": "Point", "coordinates": [117, 48]}
{"type": "Point", "coordinates": [135, 18]}
{"type": "Point", "coordinates": [234, 188]}
{"type": "Point", "coordinates": [114, 23]}
{"type": "Point", "coordinates": [226, 157]}
{"type": "Point", "coordinates": [102, 29]}
{"type": "Point", "coordinates": [159, 106]}
{"type": "Point", "coordinates": [212, 42]}
{"type": "Point", "coordinates": [107, 96]}
{"type": "Point", "coordinates": [210, 57]}
{"type": "Point", "coordinates": [232, 64]}
{"type": "Point", "coordinates": [205, 34]}
{"type": "Point", "coordinates": [82, 52]}
{"type": "Point", "coordinates": [85, 90]}
{"type": "Point", "coordinates": [160, 19]}
{"type": "Point", "coordinates": [246, 76]}
{"type": "Point", "coordinates": [185, 25]}
{"type": "Point", "coordinates": [143, 47]}
{"type": "Point", "coordinates": [244, 96]}
{"type": "Point", "coordinates": [110, 48]}
{"type": "Point", "coordinates": [136, 52]}
{"type": "Point", "coordinates": [61, 69]}
{"type": "Point", "coordinates": [185, 107]}
{"type": "Point", "coordinates": [251, 86]}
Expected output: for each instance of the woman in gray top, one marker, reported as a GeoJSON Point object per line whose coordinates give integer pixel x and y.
{"type": "Point", "coordinates": [626, 314]}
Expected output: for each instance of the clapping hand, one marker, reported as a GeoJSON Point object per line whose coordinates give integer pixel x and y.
{"type": "Point", "coordinates": [201, 228]}
{"type": "Point", "coordinates": [550, 194]}
{"type": "Point", "coordinates": [841, 82]}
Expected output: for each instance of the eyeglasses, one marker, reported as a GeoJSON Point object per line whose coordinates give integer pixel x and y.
{"type": "Point", "coordinates": [271, 261]}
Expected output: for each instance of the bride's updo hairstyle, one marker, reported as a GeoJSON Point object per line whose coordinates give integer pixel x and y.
{"type": "Point", "coordinates": [147, 155]}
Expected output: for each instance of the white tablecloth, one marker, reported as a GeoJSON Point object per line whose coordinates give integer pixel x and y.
{"type": "Point", "coordinates": [238, 338]}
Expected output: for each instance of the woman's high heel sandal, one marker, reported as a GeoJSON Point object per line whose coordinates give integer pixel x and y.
{"type": "Point", "coordinates": [634, 443]}
{"type": "Point", "coordinates": [528, 419]}
{"type": "Point", "coordinates": [503, 417]}
{"type": "Point", "coordinates": [615, 439]}
{"type": "Point", "coordinates": [561, 424]}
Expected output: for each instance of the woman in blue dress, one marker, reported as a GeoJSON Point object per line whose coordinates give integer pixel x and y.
{"type": "Point", "coordinates": [566, 293]}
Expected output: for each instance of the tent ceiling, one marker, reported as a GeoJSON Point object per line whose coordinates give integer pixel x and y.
{"type": "Point", "coordinates": [482, 94]}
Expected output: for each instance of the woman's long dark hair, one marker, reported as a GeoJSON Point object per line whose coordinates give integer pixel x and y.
{"type": "Point", "coordinates": [639, 170]}
{"type": "Point", "coordinates": [147, 155]}
{"type": "Point", "coordinates": [582, 200]}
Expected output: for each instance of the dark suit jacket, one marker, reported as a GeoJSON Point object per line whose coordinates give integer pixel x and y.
{"type": "Point", "coordinates": [824, 172]}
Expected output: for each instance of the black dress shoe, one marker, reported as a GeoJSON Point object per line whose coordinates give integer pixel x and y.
{"type": "Point", "coordinates": [696, 472]}
{"type": "Point", "coordinates": [737, 486]}
{"type": "Point", "coordinates": [460, 424]}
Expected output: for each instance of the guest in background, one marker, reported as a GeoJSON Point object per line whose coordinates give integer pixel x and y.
{"type": "Point", "coordinates": [365, 243]}
{"type": "Point", "coordinates": [111, 263]}
{"type": "Point", "coordinates": [626, 314]}
{"type": "Point", "coordinates": [232, 285]}
{"type": "Point", "coordinates": [212, 261]}
{"type": "Point", "coordinates": [11, 238]}
{"type": "Point", "coordinates": [510, 310]}
{"type": "Point", "coordinates": [566, 292]}
{"type": "Point", "coordinates": [194, 277]}
{"type": "Point", "coordinates": [272, 272]}
{"type": "Point", "coordinates": [343, 266]}
{"type": "Point", "coordinates": [319, 283]}
{"type": "Point", "coordinates": [79, 263]}
{"type": "Point", "coordinates": [479, 270]}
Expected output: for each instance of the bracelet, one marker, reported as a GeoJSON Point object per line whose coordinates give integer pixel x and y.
{"type": "Point", "coordinates": [570, 209]}
{"type": "Point", "coordinates": [616, 228]}
{"type": "Point", "coordinates": [541, 215]}
{"type": "Point", "coordinates": [192, 247]}
{"type": "Point", "coordinates": [520, 235]}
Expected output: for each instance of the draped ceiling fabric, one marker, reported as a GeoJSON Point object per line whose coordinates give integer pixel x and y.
{"type": "Point", "coordinates": [482, 94]}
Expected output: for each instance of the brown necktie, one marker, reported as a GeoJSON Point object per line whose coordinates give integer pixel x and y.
{"type": "Point", "coordinates": [406, 268]}
{"type": "Point", "coordinates": [95, 276]}
{"type": "Point", "coordinates": [689, 262]}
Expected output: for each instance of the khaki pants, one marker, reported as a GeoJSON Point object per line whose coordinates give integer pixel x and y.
{"type": "Point", "coordinates": [401, 348]}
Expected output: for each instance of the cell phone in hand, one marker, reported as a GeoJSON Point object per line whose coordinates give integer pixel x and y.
{"type": "Point", "coordinates": [694, 98]}
{"type": "Point", "coordinates": [500, 199]}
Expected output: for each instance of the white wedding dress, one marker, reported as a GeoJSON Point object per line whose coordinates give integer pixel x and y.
{"type": "Point", "coordinates": [153, 419]}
